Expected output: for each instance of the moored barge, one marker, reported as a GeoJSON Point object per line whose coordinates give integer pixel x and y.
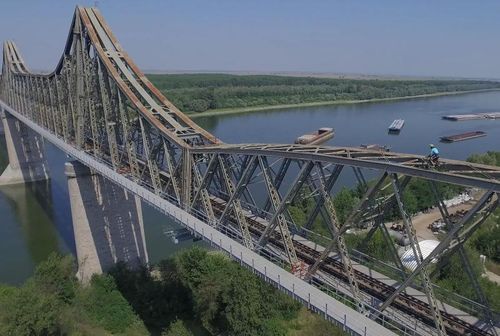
{"type": "Point", "coordinates": [377, 147]}
{"type": "Point", "coordinates": [463, 136]}
{"type": "Point", "coordinates": [474, 116]}
{"type": "Point", "coordinates": [316, 138]}
{"type": "Point", "coordinates": [396, 126]}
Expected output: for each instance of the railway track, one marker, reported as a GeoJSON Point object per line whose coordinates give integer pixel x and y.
{"type": "Point", "coordinates": [371, 286]}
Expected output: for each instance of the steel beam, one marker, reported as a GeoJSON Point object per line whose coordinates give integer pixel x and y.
{"type": "Point", "coordinates": [319, 203]}
{"type": "Point", "coordinates": [486, 198]}
{"type": "Point", "coordinates": [340, 243]}
{"type": "Point", "coordinates": [280, 219]}
{"type": "Point", "coordinates": [235, 195]}
{"type": "Point", "coordinates": [412, 235]}
{"type": "Point", "coordinates": [283, 204]}
{"type": "Point", "coordinates": [238, 210]}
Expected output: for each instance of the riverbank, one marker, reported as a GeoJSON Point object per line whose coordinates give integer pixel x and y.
{"type": "Point", "coordinates": [241, 110]}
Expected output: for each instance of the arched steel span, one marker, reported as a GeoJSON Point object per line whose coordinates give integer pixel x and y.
{"type": "Point", "coordinates": [99, 102]}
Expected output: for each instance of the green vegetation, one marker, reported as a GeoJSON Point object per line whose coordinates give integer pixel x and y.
{"type": "Point", "coordinates": [488, 158]}
{"type": "Point", "coordinates": [53, 303]}
{"type": "Point", "coordinates": [487, 238]}
{"type": "Point", "coordinates": [214, 293]}
{"type": "Point", "coordinates": [417, 197]}
{"type": "Point", "coordinates": [177, 328]}
{"type": "Point", "coordinates": [195, 293]}
{"type": "Point", "coordinates": [452, 277]}
{"type": "Point", "coordinates": [202, 92]}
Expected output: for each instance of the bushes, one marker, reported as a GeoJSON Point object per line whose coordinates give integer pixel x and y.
{"type": "Point", "coordinates": [177, 328]}
{"type": "Point", "coordinates": [206, 289]}
{"type": "Point", "coordinates": [488, 158]}
{"type": "Point", "coordinates": [53, 303]}
{"type": "Point", "coordinates": [453, 277]}
{"type": "Point", "coordinates": [229, 298]}
{"type": "Point", "coordinates": [157, 301]}
{"type": "Point", "coordinates": [487, 239]}
{"type": "Point", "coordinates": [105, 306]}
{"type": "Point", "coordinates": [56, 275]}
{"type": "Point", "coordinates": [31, 311]}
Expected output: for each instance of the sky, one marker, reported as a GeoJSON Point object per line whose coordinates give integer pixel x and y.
{"type": "Point", "coordinates": [446, 38]}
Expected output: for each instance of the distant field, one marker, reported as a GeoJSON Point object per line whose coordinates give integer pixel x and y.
{"type": "Point", "coordinates": [196, 93]}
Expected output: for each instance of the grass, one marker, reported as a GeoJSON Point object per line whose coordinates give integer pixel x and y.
{"type": "Point", "coordinates": [308, 323]}
{"type": "Point", "coordinates": [492, 267]}
{"type": "Point", "coordinates": [240, 110]}
{"type": "Point", "coordinates": [196, 328]}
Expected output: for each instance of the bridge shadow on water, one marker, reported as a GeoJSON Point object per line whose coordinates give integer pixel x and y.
{"type": "Point", "coordinates": [34, 222]}
{"type": "Point", "coordinates": [33, 209]}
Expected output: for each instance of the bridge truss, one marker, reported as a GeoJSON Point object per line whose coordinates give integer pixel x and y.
{"type": "Point", "coordinates": [99, 102]}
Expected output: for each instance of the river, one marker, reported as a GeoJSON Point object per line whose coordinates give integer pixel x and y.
{"type": "Point", "coordinates": [35, 219]}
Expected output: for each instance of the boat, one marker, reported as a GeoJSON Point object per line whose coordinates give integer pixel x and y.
{"type": "Point", "coordinates": [462, 117]}
{"type": "Point", "coordinates": [181, 235]}
{"type": "Point", "coordinates": [377, 147]}
{"type": "Point", "coordinates": [463, 136]}
{"type": "Point", "coordinates": [396, 126]}
{"type": "Point", "coordinates": [316, 138]}
{"type": "Point", "coordinates": [474, 116]}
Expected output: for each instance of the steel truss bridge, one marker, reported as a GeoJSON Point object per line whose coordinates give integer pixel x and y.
{"type": "Point", "coordinates": [99, 107]}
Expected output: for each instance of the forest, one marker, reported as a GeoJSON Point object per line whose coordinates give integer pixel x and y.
{"type": "Point", "coordinates": [195, 93]}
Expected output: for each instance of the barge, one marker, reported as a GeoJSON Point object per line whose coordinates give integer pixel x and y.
{"type": "Point", "coordinates": [463, 136]}
{"type": "Point", "coordinates": [377, 147]}
{"type": "Point", "coordinates": [316, 138]}
{"type": "Point", "coordinates": [474, 116]}
{"type": "Point", "coordinates": [396, 126]}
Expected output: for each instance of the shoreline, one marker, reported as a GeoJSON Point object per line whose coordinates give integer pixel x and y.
{"type": "Point", "coordinates": [241, 110]}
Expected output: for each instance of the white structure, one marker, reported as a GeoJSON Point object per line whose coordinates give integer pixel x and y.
{"type": "Point", "coordinates": [426, 247]}
{"type": "Point", "coordinates": [457, 200]}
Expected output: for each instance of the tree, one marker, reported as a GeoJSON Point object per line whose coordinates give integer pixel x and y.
{"type": "Point", "coordinates": [177, 328]}
{"type": "Point", "coordinates": [57, 275]}
{"type": "Point", "coordinates": [228, 298]}
{"type": "Point", "coordinates": [344, 202]}
{"type": "Point", "coordinates": [243, 305]}
{"type": "Point", "coordinates": [105, 305]}
{"type": "Point", "coordinates": [30, 311]}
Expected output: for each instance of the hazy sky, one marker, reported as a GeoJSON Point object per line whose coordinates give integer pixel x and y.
{"type": "Point", "coordinates": [428, 38]}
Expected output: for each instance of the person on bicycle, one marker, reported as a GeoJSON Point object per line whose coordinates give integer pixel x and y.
{"type": "Point", "coordinates": [434, 156]}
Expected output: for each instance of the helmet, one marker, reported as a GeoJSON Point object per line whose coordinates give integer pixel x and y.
{"type": "Point", "coordinates": [431, 146]}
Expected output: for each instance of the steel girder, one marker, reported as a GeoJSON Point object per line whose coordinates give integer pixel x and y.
{"type": "Point", "coordinates": [486, 204]}
{"type": "Point", "coordinates": [412, 235]}
{"type": "Point", "coordinates": [97, 100]}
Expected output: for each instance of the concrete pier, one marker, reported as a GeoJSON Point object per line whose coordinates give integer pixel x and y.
{"type": "Point", "coordinates": [107, 223]}
{"type": "Point", "coordinates": [26, 153]}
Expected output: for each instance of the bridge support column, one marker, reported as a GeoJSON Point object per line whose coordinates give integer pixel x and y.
{"type": "Point", "coordinates": [107, 223]}
{"type": "Point", "coordinates": [26, 153]}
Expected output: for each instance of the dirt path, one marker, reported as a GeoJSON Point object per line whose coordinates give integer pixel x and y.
{"type": "Point", "coordinates": [422, 221]}
{"type": "Point", "coordinates": [493, 277]}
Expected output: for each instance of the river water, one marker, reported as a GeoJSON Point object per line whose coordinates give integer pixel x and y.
{"type": "Point", "coordinates": [35, 219]}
